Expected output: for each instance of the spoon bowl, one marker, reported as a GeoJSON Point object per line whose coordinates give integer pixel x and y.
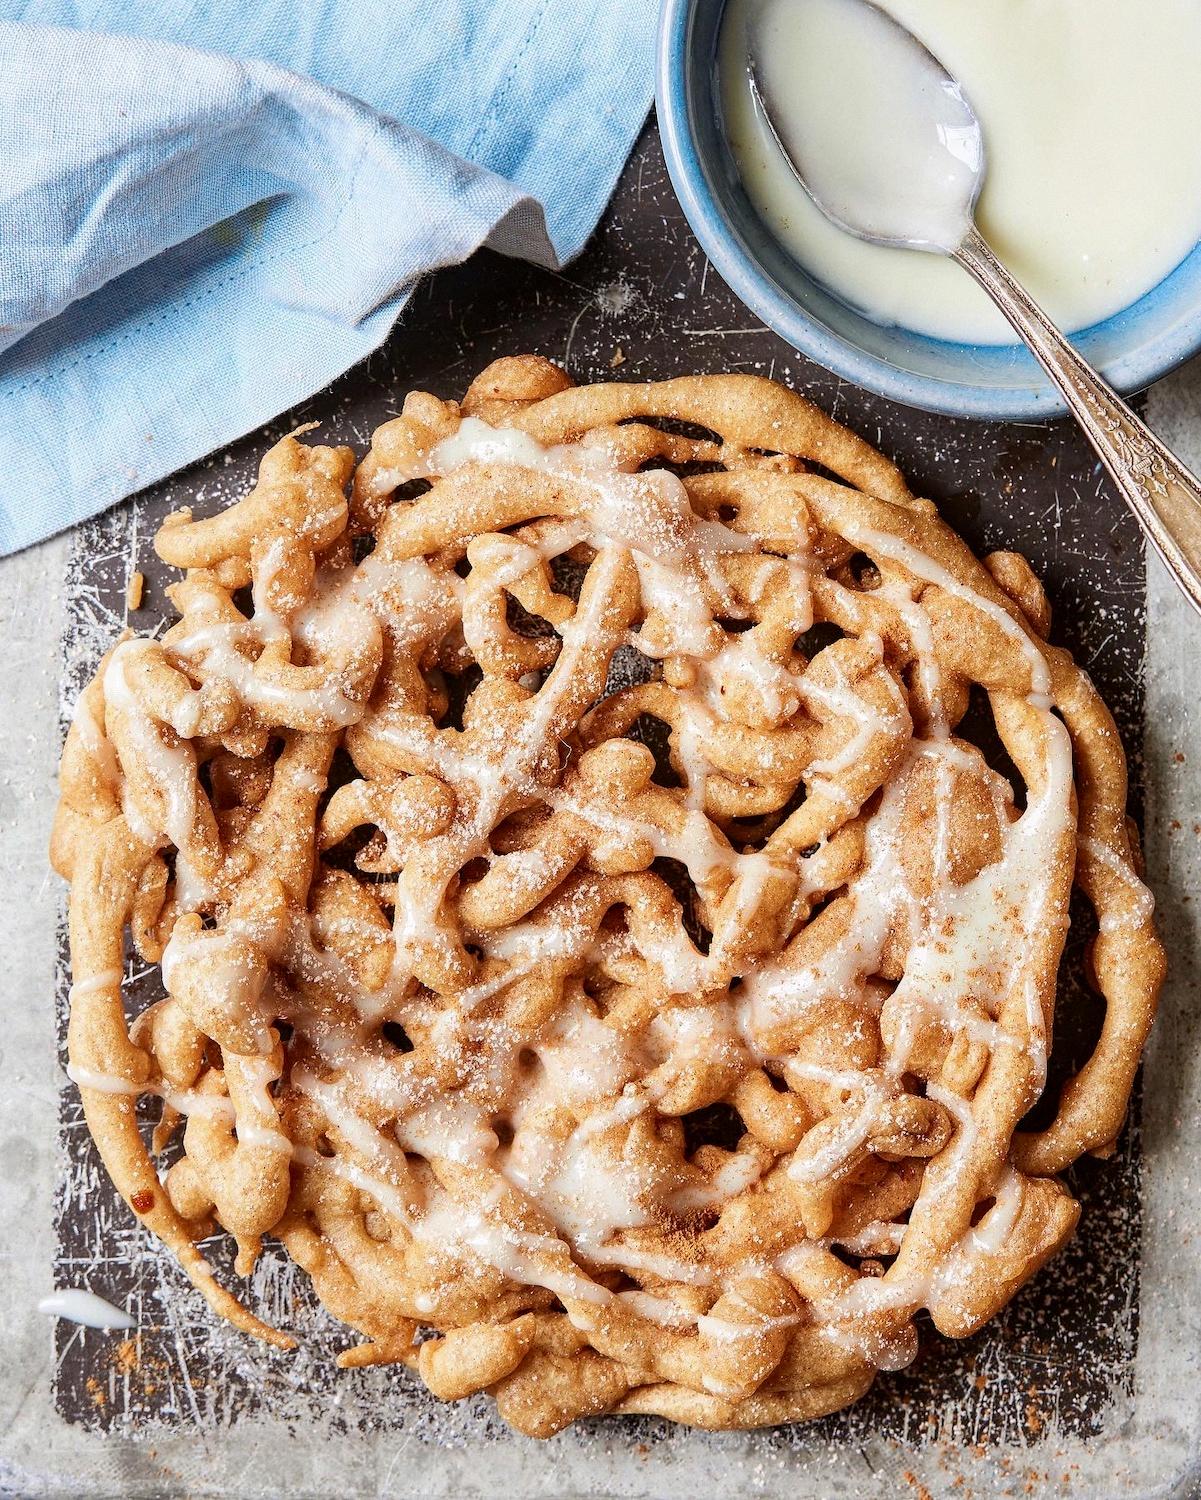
{"type": "Point", "coordinates": [905, 165]}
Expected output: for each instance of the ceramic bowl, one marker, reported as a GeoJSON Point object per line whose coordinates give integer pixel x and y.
{"type": "Point", "coordinates": [1131, 349]}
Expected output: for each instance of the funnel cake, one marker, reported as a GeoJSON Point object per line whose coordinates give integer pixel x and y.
{"type": "Point", "coordinates": [593, 943]}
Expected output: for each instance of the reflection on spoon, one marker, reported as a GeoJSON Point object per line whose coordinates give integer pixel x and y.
{"type": "Point", "coordinates": [886, 143]}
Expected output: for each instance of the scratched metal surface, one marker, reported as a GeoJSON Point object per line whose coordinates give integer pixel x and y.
{"type": "Point", "coordinates": [641, 303]}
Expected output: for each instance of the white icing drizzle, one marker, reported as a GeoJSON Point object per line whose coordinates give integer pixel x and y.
{"type": "Point", "coordinates": [676, 553]}
{"type": "Point", "coordinates": [171, 768]}
{"type": "Point", "coordinates": [921, 565]}
{"type": "Point", "coordinates": [78, 1305]}
{"type": "Point", "coordinates": [876, 1238]}
{"type": "Point", "coordinates": [917, 623]}
{"type": "Point", "coordinates": [269, 624]}
{"type": "Point", "coordinates": [257, 1075]}
{"type": "Point", "coordinates": [94, 986]}
{"type": "Point", "coordinates": [96, 743]}
{"type": "Point", "coordinates": [213, 649]}
{"type": "Point", "coordinates": [233, 985]}
{"type": "Point", "coordinates": [996, 1225]}
{"type": "Point", "coordinates": [185, 1101]}
{"type": "Point", "coordinates": [1140, 906]}
{"type": "Point", "coordinates": [869, 723]}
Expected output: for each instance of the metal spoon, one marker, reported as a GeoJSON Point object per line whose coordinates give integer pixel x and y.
{"type": "Point", "coordinates": [1164, 496]}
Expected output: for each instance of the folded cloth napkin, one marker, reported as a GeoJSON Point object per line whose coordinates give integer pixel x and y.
{"type": "Point", "coordinates": [194, 240]}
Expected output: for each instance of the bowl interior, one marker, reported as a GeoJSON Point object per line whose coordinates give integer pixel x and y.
{"type": "Point", "coordinates": [1132, 348]}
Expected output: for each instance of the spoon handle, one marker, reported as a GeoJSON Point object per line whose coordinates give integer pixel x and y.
{"type": "Point", "coordinates": [1164, 496]}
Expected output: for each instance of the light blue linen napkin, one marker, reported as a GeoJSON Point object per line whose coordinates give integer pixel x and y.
{"type": "Point", "coordinates": [191, 241]}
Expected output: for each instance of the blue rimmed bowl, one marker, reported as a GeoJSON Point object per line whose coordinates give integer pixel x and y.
{"type": "Point", "coordinates": [1131, 349]}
